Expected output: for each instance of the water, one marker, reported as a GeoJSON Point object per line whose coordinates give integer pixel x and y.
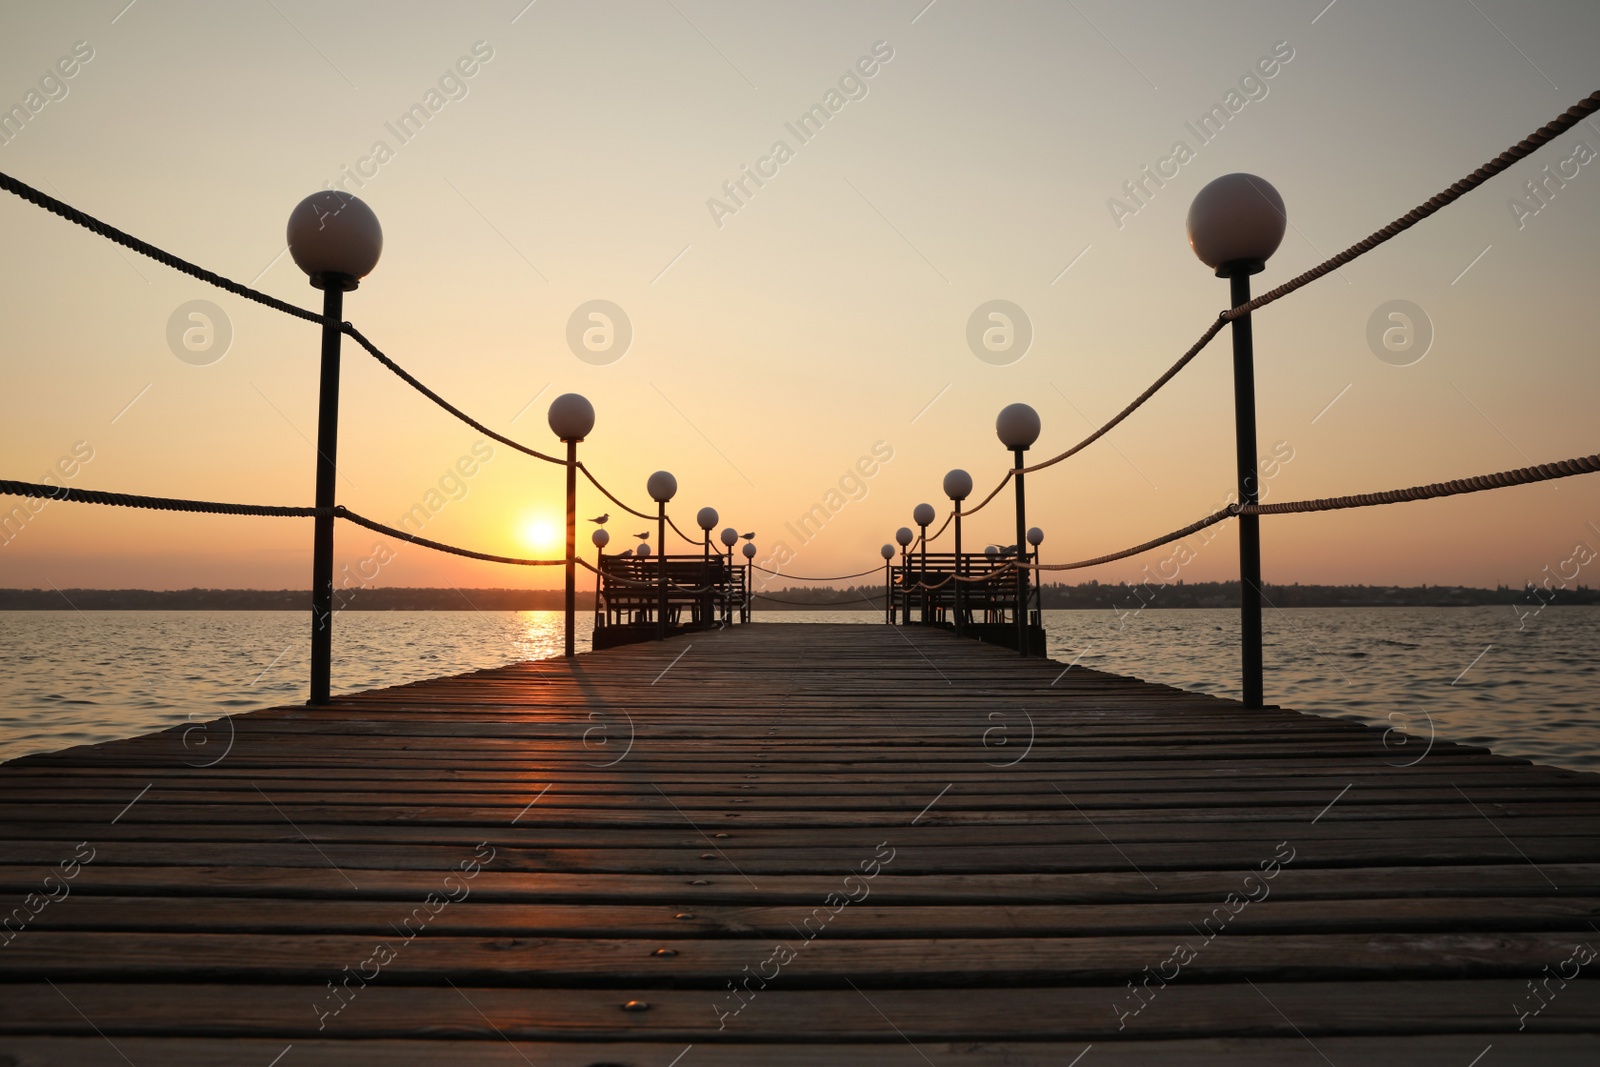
{"type": "Point", "coordinates": [1462, 674]}
{"type": "Point", "coordinates": [78, 677]}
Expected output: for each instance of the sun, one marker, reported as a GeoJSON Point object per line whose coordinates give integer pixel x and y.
{"type": "Point", "coordinates": [540, 534]}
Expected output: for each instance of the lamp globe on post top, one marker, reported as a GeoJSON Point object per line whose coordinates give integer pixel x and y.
{"type": "Point", "coordinates": [662, 487]}
{"type": "Point", "coordinates": [642, 550]}
{"type": "Point", "coordinates": [336, 240]}
{"type": "Point", "coordinates": [903, 537]}
{"type": "Point", "coordinates": [749, 551]}
{"type": "Point", "coordinates": [706, 519]}
{"type": "Point", "coordinates": [729, 536]}
{"type": "Point", "coordinates": [1018, 428]}
{"type": "Point", "coordinates": [1235, 224]}
{"type": "Point", "coordinates": [1035, 536]}
{"type": "Point", "coordinates": [600, 539]}
{"type": "Point", "coordinates": [958, 486]}
{"type": "Point", "coordinates": [571, 417]}
{"type": "Point", "coordinates": [888, 593]}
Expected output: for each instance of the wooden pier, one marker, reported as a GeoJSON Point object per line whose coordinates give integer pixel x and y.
{"type": "Point", "coordinates": [795, 844]}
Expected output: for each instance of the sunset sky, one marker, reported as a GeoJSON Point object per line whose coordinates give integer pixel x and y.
{"type": "Point", "coordinates": [784, 331]}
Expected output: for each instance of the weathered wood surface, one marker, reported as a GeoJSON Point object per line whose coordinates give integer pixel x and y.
{"type": "Point", "coordinates": [900, 848]}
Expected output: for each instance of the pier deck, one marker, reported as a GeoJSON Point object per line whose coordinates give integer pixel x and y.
{"type": "Point", "coordinates": [795, 844]}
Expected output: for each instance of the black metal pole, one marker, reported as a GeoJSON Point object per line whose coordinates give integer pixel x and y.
{"type": "Point", "coordinates": [327, 472]}
{"type": "Point", "coordinates": [572, 543]}
{"type": "Point", "coordinates": [661, 571]}
{"type": "Point", "coordinates": [903, 605]}
{"type": "Point", "coordinates": [958, 582]}
{"type": "Point", "coordinates": [1022, 571]}
{"type": "Point", "coordinates": [922, 579]}
{"type": "Point", "coordinates": [888, 602]}
{"type": "Point", "coordinates": [1244, 415]}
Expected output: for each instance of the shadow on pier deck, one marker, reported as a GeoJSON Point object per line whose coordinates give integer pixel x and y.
{"type": "Point", "coordinates": [795, 844]}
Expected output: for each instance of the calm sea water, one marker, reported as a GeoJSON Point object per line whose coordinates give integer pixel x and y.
{"type": "Point", "coordinates": [1463, 674]}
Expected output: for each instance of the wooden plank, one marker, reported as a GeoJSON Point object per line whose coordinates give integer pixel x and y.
{"type": "Point", "coordinates": [1066, 1013]}
{"type": "Point", "coordinates": [1024, 895]}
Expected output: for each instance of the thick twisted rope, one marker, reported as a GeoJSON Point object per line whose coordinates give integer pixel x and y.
{"type": "Point", "coordinates": [438, 546]}
{"type": "Point", "coordinates": [1543, 472]}
{"type": "Point", "coordinates": [1523, 148]}
{"type": "Point", "coordinates": [608, 494]}
{"type": "Point", "coordinates": [144, 248]}
{"type": "Point", "coordinates": [1550, 130]}
{"type": "Point", "coordinates": [803, 578]}
{"type": "Point", "coordinates": [154, 503]}
{"type": "Point", "coordinates": [406, 376]}
{"type": "Point", "coordinates": [1194, 527]}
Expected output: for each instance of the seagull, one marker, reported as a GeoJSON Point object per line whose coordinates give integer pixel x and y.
{"type": "Point", "coordinates": [602, 520]}
{"type": "Point", "coordinates": [644, 536]}
{"type": "Point", "coordinates": [748, 536]}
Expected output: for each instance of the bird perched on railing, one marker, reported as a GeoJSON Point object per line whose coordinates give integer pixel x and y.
{"type": "Point", "coordinates": [602, 520]}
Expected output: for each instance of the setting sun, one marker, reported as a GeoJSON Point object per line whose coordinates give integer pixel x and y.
{"type": "Point", "coordinates": [540, 534]}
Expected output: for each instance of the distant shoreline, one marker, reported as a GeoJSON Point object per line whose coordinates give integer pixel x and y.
{"type": "Point", "coordinates": [1088, 596]}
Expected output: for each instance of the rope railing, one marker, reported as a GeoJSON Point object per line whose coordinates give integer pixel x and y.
{"type": "Point", "coordinates": [10, 487]}
{"type": "Point", "coordinates": [155, 503]}
{"type": "Point", "coordinates": [1543, 472]}
{"type": "Point", "coordinates": [104, 229]}
{"type": "Point", "coordinates": [611, 496]}
{"type": "Point", "coordinates": [804, 578]}
{"type": "Point", "coordinates": [1563, 122]}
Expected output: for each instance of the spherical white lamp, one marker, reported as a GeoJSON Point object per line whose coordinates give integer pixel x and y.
{"type": "Point", "coordinates": [888, 551]}
{"type": "Point", "coordinates": [335, 237]}
{"type": "Point", "coordinates": [1235, 224]}
{"type": "Point", "coordinates": [571, 417]}
{"type": "Point", "coordinates": [1017, 426]}
{"type": "Point", "coordinates": [749, 550]}
{"type": "Point", "coordinates": [662, 487]}
{"type": "Point", "coordinates": [958, 485]}
{"type": "Point", "coordinates": [729, 536]}
{"type": "Point", "coordinates": [904, 536]}
{"type": "Point", "coordinates": [923, 514]}
{"type": "Point", "coordinates": [642, 550]}
{"type": "Point", "coordinates": [706, 518]}
{"type": "Point", "coordinates": [600, 538]}
{"type": "Point", "coordinates": [1035, 536]}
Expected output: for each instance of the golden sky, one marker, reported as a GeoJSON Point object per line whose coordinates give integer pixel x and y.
{"type": "Point", "coordinates": [563, 153]}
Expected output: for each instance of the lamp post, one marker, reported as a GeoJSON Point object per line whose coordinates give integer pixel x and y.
{"type": "Point", "coordinates": [1036, 538]}
{"type": "Point", "coordinates": [571, 418]}
{"type": "Point", "coordinates": [923, 515]}
{"type": "Point", "coordinates": [1018, 428]}
{"type": "Point", "coordinates": [958, 486]}
{"type": "Point", "coordinates": [749, 551]}
{"type": "Point", "coordinates": [888, 594]}
{"type": "Point", "coordinates": [336, 240]}
{"type": "Point", "coordinates": [662, 487]}
{"type": "Point", "coordinates": [903, 537]}
{"type": "Point", "coordinates": [729, 538]}
{"type": "Point", "coordinates": [600, 539]}
{"type": "Point", "coordinates": [1235, 224]}
{"type": "Point", "coordinates": [705, 518]}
